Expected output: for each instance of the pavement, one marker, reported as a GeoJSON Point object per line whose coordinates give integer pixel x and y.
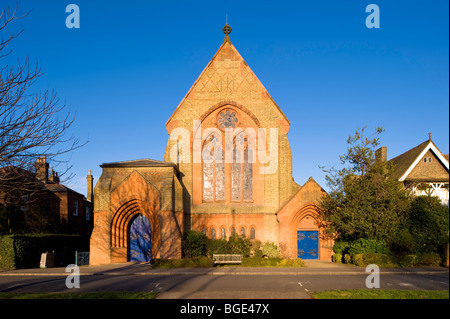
{"type": "Point", "coordinates": [312, 267]}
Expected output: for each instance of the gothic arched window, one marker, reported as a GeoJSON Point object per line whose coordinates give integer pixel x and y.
{"type": "Point", "coordinates": [252, 233]}
{"type": "Point", "coordinates": [213, 169]}
{"type": "Point", "coordinates": [242, 170]}
{"type": "Point", "coordinates": [223, 233]}
{"type": "Point", "coordinates": [227, 161]}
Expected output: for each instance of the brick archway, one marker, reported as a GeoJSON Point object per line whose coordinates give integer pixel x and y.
{"type": "Point", "coordinates": [120, 227]}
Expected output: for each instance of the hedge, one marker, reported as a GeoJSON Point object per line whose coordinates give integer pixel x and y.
{"type": "Point", "coordinates": [389, 260]}
{"type": "Point", "coordinates": [24, 251]}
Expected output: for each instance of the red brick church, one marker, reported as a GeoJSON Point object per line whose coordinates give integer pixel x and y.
{"type": "Point", "coordinates": [227, 170]}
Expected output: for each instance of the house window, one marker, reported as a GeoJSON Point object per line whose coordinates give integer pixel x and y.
{"type": "Point", "coordinates": [233, 231]}
{"type": "Point", "coordinates": [88, 213]}
{"type": "Point", "coordinates": [242, 232]}
{"type": "Point", "coordinates": [252, 233]}
{"type": "Point", "coordinates": [204, 230]}
{"type": "Point", "coordinates": [427, 159]}
{"type": "Point", "coordinates": [75, 207]}
{"type": "Point", "coordinates": [213, 233]}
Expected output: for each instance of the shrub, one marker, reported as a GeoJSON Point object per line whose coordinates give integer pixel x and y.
{"type": "Point", "coordinates": [402, 242]}
{"type": "Point", "coordinates": [407, 261]}
{"type": "Point", "coordinates": [336, 258]}
{"type": "Point", "coordinates": [270, 250]}
{"type": "Point", "coordinates": [297, 262]}
{"type": "Point", "coordinates": [260, 262]}
{"type": "Point", "coordinates": [182, 263]}
{"type": "Point", "coordinates": [381, 260]}
{"type": "Point", "coordinates": [195, 244]}
{"type": "Point", "coordinates": [347, 259]}
{"type": "Point", "coordinates": [358, 260]}
{"type": "Point", "coordinates": [239, 245]}
{"type": "Point", "coordinates": [429, 259]}
{"type": "Point", "coordinates": [341, 247]}
{"type": "Point", "coordinates": [218, 246]}
{"type": "Point", "coordinates": [256, 249]}
{"type": "Point", "coordinates": [365, 246]}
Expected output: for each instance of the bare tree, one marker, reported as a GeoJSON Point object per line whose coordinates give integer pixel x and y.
{"type": "Point", "coordinates": [32, 125]}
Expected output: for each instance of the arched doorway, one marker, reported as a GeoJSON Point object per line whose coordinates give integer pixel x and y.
{"type": "Point", "coordinates": [140, 239]}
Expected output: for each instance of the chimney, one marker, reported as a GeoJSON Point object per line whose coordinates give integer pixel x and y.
{"type": "Point", "coordinates": [41, 167]}
{"type": "Point", "coordinates": [54, 177]}
{"type": "Point", "coordinates": [90, 187]}
{"type": "Point", "coordinates": [381, 154]}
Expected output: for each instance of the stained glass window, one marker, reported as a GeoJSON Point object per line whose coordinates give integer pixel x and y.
{"type": "Point", "coordinates": [242, 232]}
{"type": "Point", "coordinates": [227, 118]}
{"type": "Point", "coordinates": [241, 170]}
{"type": "Point", "coordinates": [213, 169]}
{"type": "Point", "coordinates": [213, 233]}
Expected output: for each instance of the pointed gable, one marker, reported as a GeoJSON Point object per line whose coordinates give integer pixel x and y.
{"type": "Point", "coordinates": [415, 164]}
{"type": "Point", "coordinates": [227, 77]}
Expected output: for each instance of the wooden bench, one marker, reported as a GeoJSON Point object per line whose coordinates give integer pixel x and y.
{"type": "Point", "coordinates": [227, 259]}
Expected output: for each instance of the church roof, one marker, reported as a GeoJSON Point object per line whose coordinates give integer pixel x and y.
{"type": "Point", "coordinates": [139, 163]}
{"type": "Point", "coordinates": [227, 51]}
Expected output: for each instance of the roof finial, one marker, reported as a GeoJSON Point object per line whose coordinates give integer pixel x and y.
{"type": "Point", "coordinates": [429, 136]}
{"type": "Point", "coordinates": [227, 30]}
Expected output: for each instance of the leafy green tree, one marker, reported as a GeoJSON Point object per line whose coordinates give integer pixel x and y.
{"type": "Point", "coordinates": [364, 201]}
{"type": "Point", "coordinates": [428, 224]}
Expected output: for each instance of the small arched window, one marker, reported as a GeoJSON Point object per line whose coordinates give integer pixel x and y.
{"type": "Point", "coordinates": [242, 232]}
{"type": "Point", "coordinates": [233, 231]}
{"type": "Point", "coordinates": [204, 230]}
{"type": "Point", "coordinates": [213, 233]}
{"type": "Point", "coordinates": [252, 233]}
{"type": "Point", "coordinates": [223, 233]}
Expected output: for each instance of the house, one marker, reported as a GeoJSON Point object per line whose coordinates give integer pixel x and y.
{"type": "Point", "coordinates": [227, 170]}
{"type": "Point", "coordinates": [44, 205]}
{"type": "Point", "coordinates": [422, 169]}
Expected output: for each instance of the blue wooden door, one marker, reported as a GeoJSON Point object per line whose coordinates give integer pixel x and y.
{"type": "Point", "coordinates": [308, 244]}
{"type": "Point", "coordinates": [140, 239]}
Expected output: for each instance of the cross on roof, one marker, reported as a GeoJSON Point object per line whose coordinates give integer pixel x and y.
{"type": "Point", "coordinates": [226, 29]}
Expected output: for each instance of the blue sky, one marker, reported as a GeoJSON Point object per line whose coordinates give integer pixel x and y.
{"type": "Point", "coordinates": [127, 67]}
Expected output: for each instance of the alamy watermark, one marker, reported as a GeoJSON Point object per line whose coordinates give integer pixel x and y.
{"type": "Point", "coordinates": [373, 19]}
{"type": "Point", "coordinates": [373, 280]}
{"type": "Point", "coordinates": [73, 280]}
{"type": "Point", "coordinates": [73, 19]}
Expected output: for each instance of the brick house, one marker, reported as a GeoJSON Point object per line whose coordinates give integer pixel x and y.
{"type": "Point", "coordinates": [75, 211]}
{"type": "Point", "coordinates": [227, 170]}
{"type": "Point", "coordinates": [422, 169]}
{"type": "Point", "coordinates": [51, 207]}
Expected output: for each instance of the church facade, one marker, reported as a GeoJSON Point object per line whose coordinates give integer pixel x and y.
{"type": "Point", "coordinates": [227, 170]}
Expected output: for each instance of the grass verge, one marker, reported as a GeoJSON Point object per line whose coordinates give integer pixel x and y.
{"type": "Point", "coordinates": [80, 295]}
{"type": "Point", "coordinates": [381, 294]}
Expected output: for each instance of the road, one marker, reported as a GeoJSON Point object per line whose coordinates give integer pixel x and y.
{"type": "Point", "coordinates": [219, 286]}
